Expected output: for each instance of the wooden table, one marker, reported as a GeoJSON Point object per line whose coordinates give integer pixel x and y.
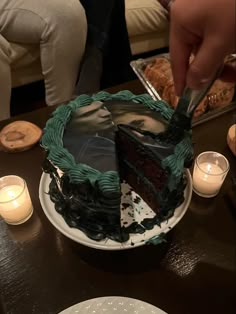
{"type": "Point", "coordinates": [43, 272]}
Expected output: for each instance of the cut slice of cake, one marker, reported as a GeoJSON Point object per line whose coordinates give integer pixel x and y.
{"type": "Point", "coordinates": [141, 165]}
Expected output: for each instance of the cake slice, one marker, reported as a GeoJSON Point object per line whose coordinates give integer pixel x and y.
{"type": "Point", "coordinates": [141, 163]}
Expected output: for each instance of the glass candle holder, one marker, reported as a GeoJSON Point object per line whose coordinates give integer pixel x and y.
{"type": "Point", "coordinates": [15, 202]}
{"type": "Point", "coordinates": [210, 170]}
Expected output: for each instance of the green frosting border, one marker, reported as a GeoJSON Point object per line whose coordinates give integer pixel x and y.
{"type": "Point", "coordinates": [108, 182]}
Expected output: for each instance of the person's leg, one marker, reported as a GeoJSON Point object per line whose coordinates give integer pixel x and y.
{"type": "Point", "coordinates": [108, 53]}
{"type": "Point", "coordinates": [60, 27]}
{"type": "Point", "coordinates": [117, 54]}
{"type": "Point", "coordinates": [5, 79]}
{"type": "Point", "coordinates": [99, 19]}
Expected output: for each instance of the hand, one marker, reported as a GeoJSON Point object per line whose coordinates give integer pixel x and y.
{"type": "Point", "coordinates": [207, 29]}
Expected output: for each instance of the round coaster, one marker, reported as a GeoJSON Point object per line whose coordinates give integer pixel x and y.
{"type": "Point", "coordinates": [19, 136]}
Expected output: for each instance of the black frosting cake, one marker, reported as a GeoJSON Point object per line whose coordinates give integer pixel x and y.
{"type": "Point", "coordinates": [94, 144]}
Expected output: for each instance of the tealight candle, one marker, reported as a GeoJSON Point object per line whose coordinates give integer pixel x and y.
{"type": "Point", "coordinates": [15, 202]}
{"type": "Point", "coordinates": [210, 170]}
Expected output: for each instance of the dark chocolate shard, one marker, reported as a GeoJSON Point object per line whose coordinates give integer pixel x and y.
{"type": "Point", "coordinates": [125, 205]}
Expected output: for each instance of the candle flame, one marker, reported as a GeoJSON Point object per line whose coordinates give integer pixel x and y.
{"type": "Point", "coordinates": [209, 167]}
{"type": "Point", "coordinates": [11, 194]}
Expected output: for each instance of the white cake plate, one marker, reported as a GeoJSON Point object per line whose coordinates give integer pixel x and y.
{"type": "Point", "coordinates": [116, 305]}
{"type": "Point", "coordinates": [135, 212]}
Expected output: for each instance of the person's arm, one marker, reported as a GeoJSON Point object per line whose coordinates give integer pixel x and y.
{"type": "Point", "coordinates": [207, 29]}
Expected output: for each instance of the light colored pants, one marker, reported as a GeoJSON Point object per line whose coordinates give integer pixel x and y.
{"type": "Point", "coordinates": [60, 29]}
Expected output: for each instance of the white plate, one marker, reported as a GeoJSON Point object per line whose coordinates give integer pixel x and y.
{"type": "Point", "coordinates": [142, 210]}
{"type": "Point", "coordinates": [116, 305]}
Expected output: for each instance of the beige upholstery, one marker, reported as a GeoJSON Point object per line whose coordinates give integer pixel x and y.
{"type": "Point", "coordinates": [26, 67]}
{"type": "Point", "coordinates": [147, 24]}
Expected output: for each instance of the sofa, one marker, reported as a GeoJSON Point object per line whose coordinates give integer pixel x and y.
{"type": "Point", "coordinates": [147, 23]}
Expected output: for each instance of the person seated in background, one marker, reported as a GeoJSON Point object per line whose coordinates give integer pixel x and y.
{"type": "Point", "coordinates": [108, 54]}
{"type": "Point", "coordinates": [55, 25]}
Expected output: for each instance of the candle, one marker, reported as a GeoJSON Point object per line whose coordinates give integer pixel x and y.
{"type": "Point", "coordinates": [206, 179]}
{"type": "Point", "coordinates": [209, 172]}
{"type": "Point", "coordinates": [15, 203]}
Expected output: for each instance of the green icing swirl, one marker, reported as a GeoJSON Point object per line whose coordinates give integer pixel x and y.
{"type": "Point", "coordinates": [175, 162]}
{"type": "Point", "coordinates": [108, 183]}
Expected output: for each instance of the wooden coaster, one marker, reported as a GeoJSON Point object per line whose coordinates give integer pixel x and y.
{"type": "Point", "coordinates": [19, 136]}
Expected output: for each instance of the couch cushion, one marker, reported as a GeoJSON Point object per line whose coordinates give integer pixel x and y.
{"type": "Point", "coordinates": [145, 16]}
{"type": "Point", "coordinates": [148, 42]}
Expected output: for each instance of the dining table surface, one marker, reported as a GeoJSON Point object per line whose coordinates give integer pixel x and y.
{"type": "Point", "coordinates": [191, 272]}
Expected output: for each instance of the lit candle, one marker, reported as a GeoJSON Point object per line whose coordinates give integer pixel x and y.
{"type": "Point", "coordinates": [15, 203]}
{"type": "Point", "coordinates": [210, 170]}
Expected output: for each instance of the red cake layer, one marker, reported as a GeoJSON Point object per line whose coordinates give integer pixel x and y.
{"type": "Point", "coordinates": [140, 167]}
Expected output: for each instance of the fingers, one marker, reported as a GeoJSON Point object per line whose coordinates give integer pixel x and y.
{"type": "Point", "coordinates": [210, 36]}
{"type": "Point", "coordinates": [206, 62]}
{"type": "Point", "coordinates": [180, 52]}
